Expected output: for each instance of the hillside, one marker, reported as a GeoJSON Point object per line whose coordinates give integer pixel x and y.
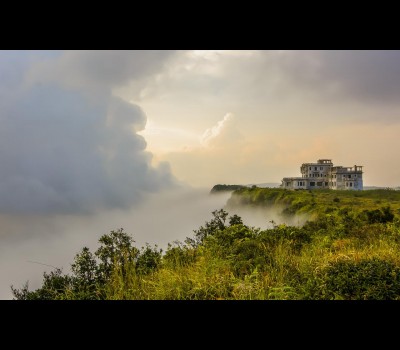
{"type": "Point", "coordinates": [349, 249]}
{"type": "Point", "coordinates": [316, 202]}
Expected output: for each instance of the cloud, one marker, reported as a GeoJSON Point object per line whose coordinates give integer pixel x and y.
{"type": "Point", "coordinates": [222, 133]}
{"type": "Point", "coordinates": [368, 76]}
{"type": "Point", "coordinates": [328, 84]}
{"type": "Point", "coordinates": [100, 69]}
{"type": "Point", "coordinates": [62, 148]}
{"type": "Point", "coordinates": [222, 146]}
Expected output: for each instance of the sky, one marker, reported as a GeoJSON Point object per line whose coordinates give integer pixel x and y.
{"type": "Point", "coordinates": [256, 116]}
{"type": "Point", "coordinates": [97, 140]}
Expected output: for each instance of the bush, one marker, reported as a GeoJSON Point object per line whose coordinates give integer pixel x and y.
{"type": "Point", "coordinates": [178, 255]}
{"type": "Point", "coordinates": [54, 286]}
{"type": "Point", "coordinates": [382, 215]}
{"type": "Point", "coordinates": [371, 279]}
{"type": "Point", "coordinates": [148, 260]}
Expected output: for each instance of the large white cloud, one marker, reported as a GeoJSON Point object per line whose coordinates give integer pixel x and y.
{"type": "Point", "coordinates": [67, 145]}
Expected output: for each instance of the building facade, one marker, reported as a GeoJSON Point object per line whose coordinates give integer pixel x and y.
{"type": "Point", "coordinates": [324, 175]}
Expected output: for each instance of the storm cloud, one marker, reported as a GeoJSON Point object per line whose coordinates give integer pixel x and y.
{"type": "Point", "coordinates": [67, 144]}
{"type": "Point", "coordinates": [367, 76]}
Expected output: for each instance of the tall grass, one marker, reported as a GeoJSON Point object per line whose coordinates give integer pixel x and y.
{"type": "Point", "coordinates": [349, 253]}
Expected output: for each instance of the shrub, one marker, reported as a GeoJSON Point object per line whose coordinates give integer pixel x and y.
{"type": "Point", "coordinates": [371, 279]}
{"type": "Point", "coordinates": [377, 216]}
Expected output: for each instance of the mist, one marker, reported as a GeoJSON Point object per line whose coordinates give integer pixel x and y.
{"type": "Point", "coordinates": [263, 217]}
{"type": "Point", "coordinates": [32, 244]}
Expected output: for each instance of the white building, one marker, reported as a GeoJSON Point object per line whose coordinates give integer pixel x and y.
{"type": "Point", "coordinates": [323, 175]}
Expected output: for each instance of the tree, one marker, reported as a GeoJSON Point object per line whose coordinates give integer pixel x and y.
{"type": "Point", "coordinates": [148, 260]}
{"type": "Point", "coordinates": [210, 228]}
{"type": "Point", "coordinates": [116, 250]}
{"type": "Point", "coordinates": [90, 272]}
{"type": "Point", "coordinates": [55, 285]}
{"type": "Point", "coordinates": [85, 278]}
{"type": "Point", "coordinates": [235, 220]}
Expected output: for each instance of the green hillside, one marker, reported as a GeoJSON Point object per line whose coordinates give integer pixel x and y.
{"type": "Point", "coordinates": [316, 202]}
{"type": "Point", "coordinates": [349, 249]}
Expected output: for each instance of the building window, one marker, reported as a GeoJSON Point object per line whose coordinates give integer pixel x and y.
{"type": "Point", "coordinates": [326, 184]}
{"type": "Point", "coordinates": [287, 183]}
{"type": "Point", "coordinates": [310, 168]}
{"type": "Point", "coordinates": [315, 168]}
{"type": "Point", "coordinates": [321, 168]}
{"type": "Point", "coordinates": [319, 183]}
{"type": "Point", "coordinates": [312, 183]}
{"type": "Point", "coordinates": [351, 184]}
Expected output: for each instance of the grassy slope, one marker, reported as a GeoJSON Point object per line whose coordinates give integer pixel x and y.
{"type": "Point", "coordinates": [342, 253]}
{"type": "Point", "coordinates": [316, 202]}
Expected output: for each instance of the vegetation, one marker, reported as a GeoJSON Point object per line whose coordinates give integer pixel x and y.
{"type": "Point", "coordinates": [315, 203]}
{"type": "Point", "coordinates": [348, 250]}
{"type": "Point", "coordinates": [224, 188]}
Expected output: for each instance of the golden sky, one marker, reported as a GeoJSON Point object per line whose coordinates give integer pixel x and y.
{"type": "Point", "coordinates": [256, 116]}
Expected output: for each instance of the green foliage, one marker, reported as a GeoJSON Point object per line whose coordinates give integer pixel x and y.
{"type": "Point", "coordinates": [235, 220]}
{"type": "Point", "coordinates": [179, 255]}
{"type": "Point", "coordinates": [85, 267]}
{"type": "Point", "coordinates": [382, 215]}
{"type": "Point", "coordinates": [148, 260]}
{"type": "Point", "coordinates": [85, 276]}
{"type": "Point", "coordinates": [315, 202]}
{"type": "Point", "coordinates": [296, 237]}
{"type": "Point", "coordinates": [224, 188]}
{"type": "Point", "coordinates": [348, 249]}
{"type": "Point", "coordinates": [371, 279]}
{"type": "Point", "coordinates": [210, 228]}
{"type": "Point", "coordinates": [91, 272]}
{"type": "Point", "coordinates": [54, 284]}
{"type": "Point", "coordinates": [116, 249]}
{"type": "Point", "coordinates": [249, 255]}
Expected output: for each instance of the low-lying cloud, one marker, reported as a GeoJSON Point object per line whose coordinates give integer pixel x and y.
{"type": "Point", "coordinates": [32, 244]}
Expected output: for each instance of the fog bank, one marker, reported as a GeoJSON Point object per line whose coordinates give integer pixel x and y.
{"type": "Point", "coordinates": [32, 244]}
{"type": "Point", "coordinates": [29, 243]}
